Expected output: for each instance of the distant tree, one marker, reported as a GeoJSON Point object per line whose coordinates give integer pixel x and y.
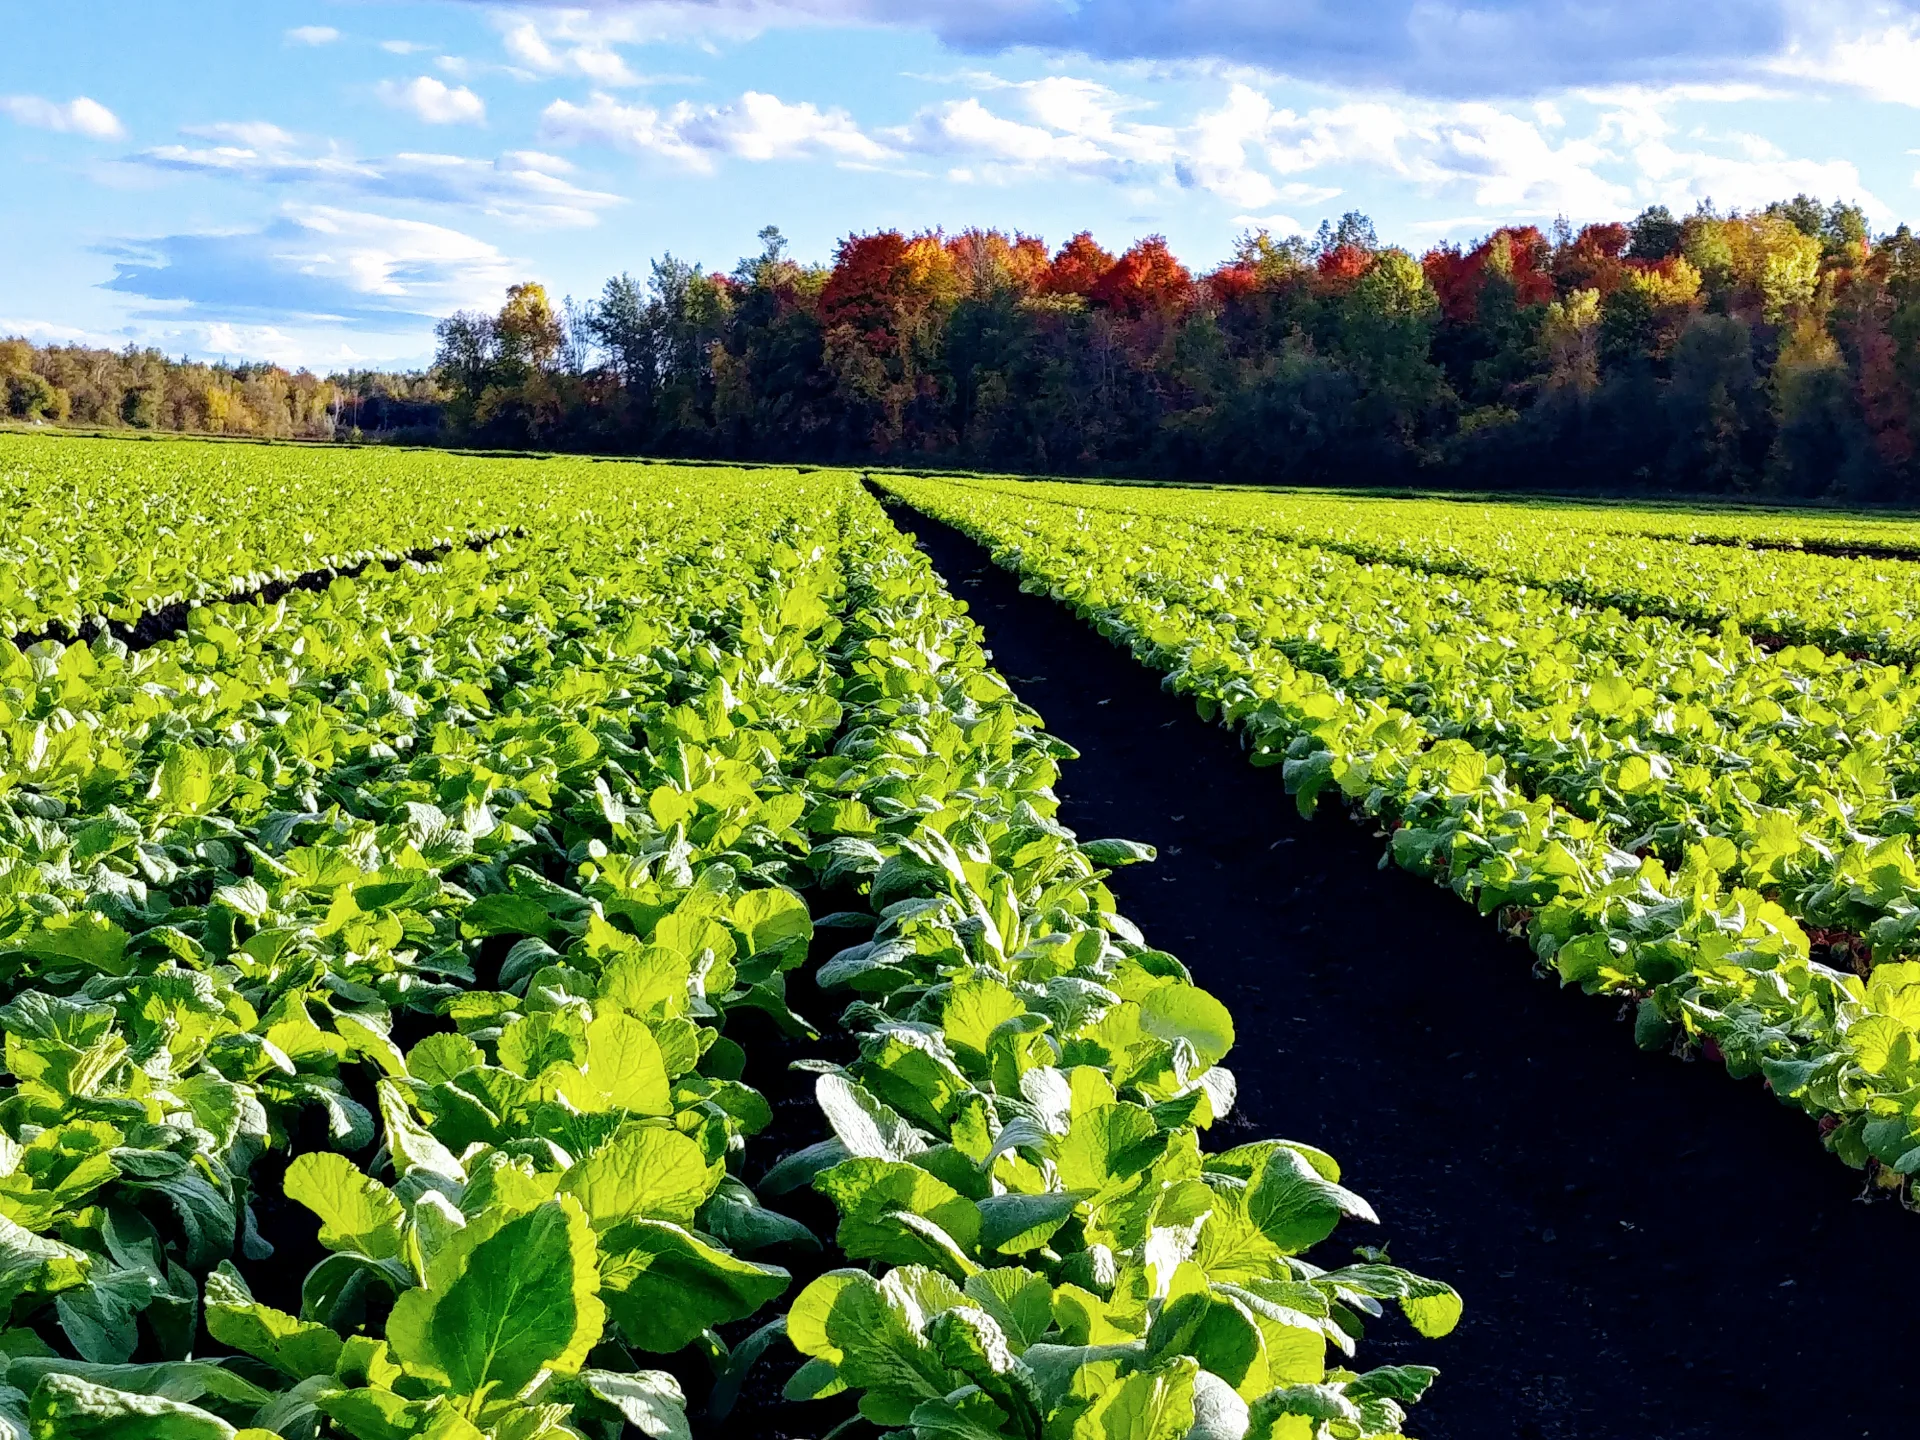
{"type": "Point", "coordinates": [527, 333]}
{"type": "Point", "coordinates": [469, 346]}
{"type": "Point", "coordinates": [1353, 231]}
{"type": "Point", "coordinates": [624, 326]}
{"type": "Point", "coordinates": [31, 397]}
{"type": "Point", "coordinates": [1656, 234]}
{"type": "Point", "coordinates": [1145, 280]}
{"type": "Point", "coordinates": [1077, 267]}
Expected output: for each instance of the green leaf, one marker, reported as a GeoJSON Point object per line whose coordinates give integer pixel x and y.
{"type": "Point", "coordinates": [88, 938]}
{"type": "Point", "coordinates": [648, 982]}
{"type": "Point", "coordinates": [969, 1344]}
{"type": "Point", "coordinates": [1146, 1405]}
{"type": "Point", "coordinates": [101, 1317]}
{"type": "Point", "coordinates": [1020, 1302]}
{"type": "Point", "coordinates": [739, 1221]}
{"type": "Point", "coordinates": [664, 1285]}
{"type": "Point", "coordinates": [1295, 1207]}
{"type": "Point", "coordinates": [866, 1331]}
{"type": "Point", "coordinates": [649, 1400]}
{"type": "Point", "coordinates": [643, 1172]}
{"type": "Point", "coordinates": [299, 1347]}
{"type": "Point", "coordinates": [443, 1056]}
{"type": "Point", "coordinates": [1316, 1404]}
{"type": "Point", "coordinates": [1013, 1224]}
{"type": "Point", "coordinates": [1186, 1012]}
{"type": "Point", "coordinates": [624, 1070]}
{"type": "Point", "coordinates": [802, 1166]}
{"type": "Point", "coordinates": [1432, 1307]}
{"type": "Point", "coordinates": [505, 1299]}
{"type": "Point", "coordinates": [739, 1363]}
{"type": "Point", "coordinates": [1114, 853]}
{"type": "Point", "coordinates": [357, 1213]}
{"type": "Point", "coordinates": [775, 922]}
{"type": "Point", "coordinates": [65, 1407]}
{"type": "Point", "coordinates": [34, 1265]}
{"type": "Point", "coordinates": [872, 1195]}
{"type": "Point", "coordinates": [1107, 1143]}
{"type": "Point", "coordinates": [975, 1007]}
{"type": "Point", "coordinates": [865, 1125]}
{"type": "Point", "coordinates": [186, 1380]}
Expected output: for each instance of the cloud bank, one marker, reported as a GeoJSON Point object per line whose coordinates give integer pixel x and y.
{"type": "Point", "coordinates": [1448, 49]}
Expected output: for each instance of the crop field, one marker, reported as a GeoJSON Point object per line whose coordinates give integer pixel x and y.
{"type": "Point", "coordinates": [398, 1013]}
{"type": "Point", "coordinates": [1638, 755]}
{"type": "Point", "coordinates": [523, 948]}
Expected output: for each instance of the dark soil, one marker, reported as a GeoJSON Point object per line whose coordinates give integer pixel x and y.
{"type": "Point", "coordinates": [1647, 1248]}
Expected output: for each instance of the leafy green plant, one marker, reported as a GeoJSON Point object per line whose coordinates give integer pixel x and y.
{"type": "Point", "coordinates": [1664, 813]}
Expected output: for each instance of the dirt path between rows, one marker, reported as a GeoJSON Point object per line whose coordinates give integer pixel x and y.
{"type": "Point", "coordinates": [1647, 1248]}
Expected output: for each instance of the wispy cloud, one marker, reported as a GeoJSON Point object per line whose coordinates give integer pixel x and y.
{"type": "Point", "coordinates": [434, 101]}
{"type": "Point", "coordinates": [78, 116]}
{"type": "Point", "coordinates": [522, 186]}
{"type": "Point", "coordinates": [554, 51]}
{"type": "Point", "coordinates": [1871, 51]}
{"type": "Point", "coordinates": [1250, 153]}
{"type": "Point", "coordinates": [314, 264]}
{"type": "Point", "coordinates": [1444, 48]}
{"type": "Point", "coordinates": [1065, 126]}
{"type": "Point", "coordinates": [312, 35]}
{"type": "Point", "coordinates": [757, 126]}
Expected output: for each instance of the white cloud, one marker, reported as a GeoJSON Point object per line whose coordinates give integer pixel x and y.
{"type": "Point", "coordinates": [1498, 159]}
{"type": "Point", "coordinates": [404, 47]}
{"type": "Point", "coordinates": [312, 35]}
{"type": "Point", "coordinates": [757, 126]}
{"type": "Point", "coordinates": [251, 134]}
{"type": "Point", "coordinates": [1875, 52]}
{"type": "Point", "coordinates": [1282, 225]}
{"type": "Point", "coordinates": [1449, 49]}
{"type": "Point", "coordinates": [1251, 154]}
{"type": "Point", "coordinates": [1680, 179]}
{"type": "Point", "coordinates": [523, 186]}
{"type": "Point", "coordinates": [557, 50]}
{"type": "Point", "coordinates": [78, 116]}
{"type": "Point", "coordinates": [316, 263]}
{"type": "Point", "coordinates": [1071, 127]}
{"type": "Point", "coordinates": [434, 101]}
{"type": "Point", "coordinates": [1733, 168]}
{"type": "Point", "coordinates": [49, 332]}
{"type": "Point", "coordinates": [1215, 157]}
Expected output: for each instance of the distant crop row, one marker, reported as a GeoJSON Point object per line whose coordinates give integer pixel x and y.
{"type": "Point", "coordinates": [422, 906]}
{"type": "Point", "coordinates": [1703, 567]}
{"type": "Point", "coordinates": [113, 529]}
{"type": "Point", "coordinates": [1666, 810]}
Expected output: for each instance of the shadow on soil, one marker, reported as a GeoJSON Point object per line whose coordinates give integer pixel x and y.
{"type": "Point", "coordinates": [1646, 1248]}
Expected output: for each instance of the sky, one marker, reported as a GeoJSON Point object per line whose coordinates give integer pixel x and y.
{"type": "Point", "coordinates": [315, 183]}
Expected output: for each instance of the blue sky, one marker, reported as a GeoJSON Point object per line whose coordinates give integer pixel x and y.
{"type": "Point", "coordinates": [313, 183]}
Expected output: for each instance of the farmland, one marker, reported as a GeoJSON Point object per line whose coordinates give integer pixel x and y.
{"type": "Point", "coordinates": [398, 1003]}
{"type": "Point", "coordinates": [550, 947]}
{"type": "Point", "coordinates": [1668, 809]}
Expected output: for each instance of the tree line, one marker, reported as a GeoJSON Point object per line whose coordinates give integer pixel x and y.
{"type": "Point", "coordinates": [1770, 352]}
{"type": "Point", "coordinates": [143, 389]}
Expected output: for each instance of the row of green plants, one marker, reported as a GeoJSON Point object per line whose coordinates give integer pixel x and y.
{"type": "Point", "coordinates": [269, 927]}
{"type": "Point", "coordinates": [419, 906]}
{"type": "Point", "coordinates": [1649, 561]}
{"type": "Point", "coordinates": [112, 530]}
{"type": "Point", "coordinates": [1655, 810]}
{"type": "Point", "coordinates": [1019, 1140]}
{"type": "Point", "coordinates": [1788, 772]}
